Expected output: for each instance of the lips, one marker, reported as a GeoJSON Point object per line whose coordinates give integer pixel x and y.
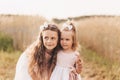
{"type": "Point", "coordinates": [64, 45]}
{"type": "Point", "coordinates": [49, 45]}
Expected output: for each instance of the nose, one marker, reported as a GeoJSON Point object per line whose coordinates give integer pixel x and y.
{"type": "Point", "coordinates": [49, 40]}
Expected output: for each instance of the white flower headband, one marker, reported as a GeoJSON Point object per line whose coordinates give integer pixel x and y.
{"type": "Point", "coordinates": [67, 26]}
{"type": "Point", "coordinates": [45, 25]}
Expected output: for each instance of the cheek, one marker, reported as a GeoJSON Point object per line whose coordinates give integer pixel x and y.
{"type": "Point", "coordinates": [71, 42]}
{"type": "Point", "coordinates": [61, 41]}
{"type": "Point", "coordinates": [44, 42]}
{"type": "Point", "coordinates": [56, 41]}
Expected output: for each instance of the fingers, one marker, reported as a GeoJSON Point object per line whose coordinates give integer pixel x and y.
{"type": "Point", "coordinates": [79, 65]}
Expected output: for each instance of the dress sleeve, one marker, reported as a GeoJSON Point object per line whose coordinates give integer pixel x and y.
{"type": "Point", "coordinates": [22, 68]}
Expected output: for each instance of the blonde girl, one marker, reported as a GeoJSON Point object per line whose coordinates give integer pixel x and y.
{"type": "Point", "coordinates": [68, 66]}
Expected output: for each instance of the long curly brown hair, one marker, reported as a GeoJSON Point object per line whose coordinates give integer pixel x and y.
{"type": "Point", "coordinates": [37, 55]}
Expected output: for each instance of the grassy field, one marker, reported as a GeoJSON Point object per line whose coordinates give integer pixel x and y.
{"type": "Point", "coordinates": [99, 34]}
{"type": "Point", "coordinates": [7, 64]}
{"type": "Point", "coordinates": [22, 28]}
{"type": "Point", "coordinates": [95, 67]}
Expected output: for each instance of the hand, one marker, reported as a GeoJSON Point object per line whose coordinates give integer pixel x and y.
{"type": "Point", "coordinates": [78, 65]}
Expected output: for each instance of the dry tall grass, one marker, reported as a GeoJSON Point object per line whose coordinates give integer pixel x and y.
{"type": "Point", "coordinates": [97, 67]}
{"type": "Point", "coordinates": [101, 34]}
{"type": "Point", "coordinates": [7, 64]}
{"type": "Point", "coordinates": [98, 33]}
{"type": "Point", "coordinates": [23, 29]}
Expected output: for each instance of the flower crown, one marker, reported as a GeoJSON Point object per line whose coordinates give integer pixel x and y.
{"type": "Point", "coordinates": [45, 25]}
{"type": "Point", "coordinates": [68, 26]}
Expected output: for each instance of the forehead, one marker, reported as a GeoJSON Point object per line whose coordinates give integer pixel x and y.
{"type": "Point", "coordinates": [49, 33]}
{"type": "Point", "coordinates": [66, 34]}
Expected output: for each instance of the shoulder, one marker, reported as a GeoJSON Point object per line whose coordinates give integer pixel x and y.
{"type": "Point", "coordinates": [23, 59]}
{"type": "Point", "coordinates": [60, 51]}
{"type": "Point", "coordinates": [21, 72]}
{"type": "Point", "coordinates": [77, 53]}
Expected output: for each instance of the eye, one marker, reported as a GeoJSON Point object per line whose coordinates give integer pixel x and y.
{"type": "Point", "coordinates": [46, 38]}
{"type": "Point", "coordinates": [53, 38]}
{"type": "Point", "coordinates": [67, 39]}
{"type": "Point", "coordinates": [61, 39]}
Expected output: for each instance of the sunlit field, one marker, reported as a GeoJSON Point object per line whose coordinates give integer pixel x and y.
{"type": "Point", "coordinates": [99, 37]}
{"type": "Point", "coordinates": [101, 34]}
{"type": "Point", "coordinates": [95, 67]}
{"type": "Point", "coordinates": [7, 64]}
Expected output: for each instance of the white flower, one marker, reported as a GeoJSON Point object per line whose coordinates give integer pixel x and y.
{"type": "Point", "coordinates": [67, 26]}
{"type": "Point", "coordinates": [41, 28]}
{"type": "Point", "coordinates": [45, 25]}
{"type": "Point", "coordinates": [70, 27]}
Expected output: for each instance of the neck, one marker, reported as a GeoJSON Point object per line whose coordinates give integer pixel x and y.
{"type": "Point", "coordinates": [48, 51]}
{"type": "Point", "coordinates": [68, 50]}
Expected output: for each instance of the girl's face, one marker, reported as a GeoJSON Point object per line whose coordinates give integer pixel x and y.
{"type": "Point", "coordinates": [66, 40]}
{"type": "Point", "coordinates": [50, 39]}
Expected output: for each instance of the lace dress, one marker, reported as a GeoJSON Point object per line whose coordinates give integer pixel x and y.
{"type": "Point", "coordinates": [64, 67]}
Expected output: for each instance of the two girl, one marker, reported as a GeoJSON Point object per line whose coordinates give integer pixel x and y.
{"type": "Point", "coordinates": [44, 60]}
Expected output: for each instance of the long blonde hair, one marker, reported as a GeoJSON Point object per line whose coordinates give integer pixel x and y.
{"type": "Point", "coordinates": [69, 26]}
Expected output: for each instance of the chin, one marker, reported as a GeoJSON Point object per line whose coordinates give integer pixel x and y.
{"type": "Point", "coordinates": [50, 48]}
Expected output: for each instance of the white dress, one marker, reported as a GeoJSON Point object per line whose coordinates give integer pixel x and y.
{"type": "Point", "coordinates": [65, 62]}
{"type": "Point", "coordinates": [22, 68]}
{"type": "Point", "coordinates": [23, 64]}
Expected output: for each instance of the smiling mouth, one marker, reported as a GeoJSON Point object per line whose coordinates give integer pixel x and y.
{"type": "Point", "coordinates": [49, 45]}
{"type": "Point", "coordinates": [64, 45]}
